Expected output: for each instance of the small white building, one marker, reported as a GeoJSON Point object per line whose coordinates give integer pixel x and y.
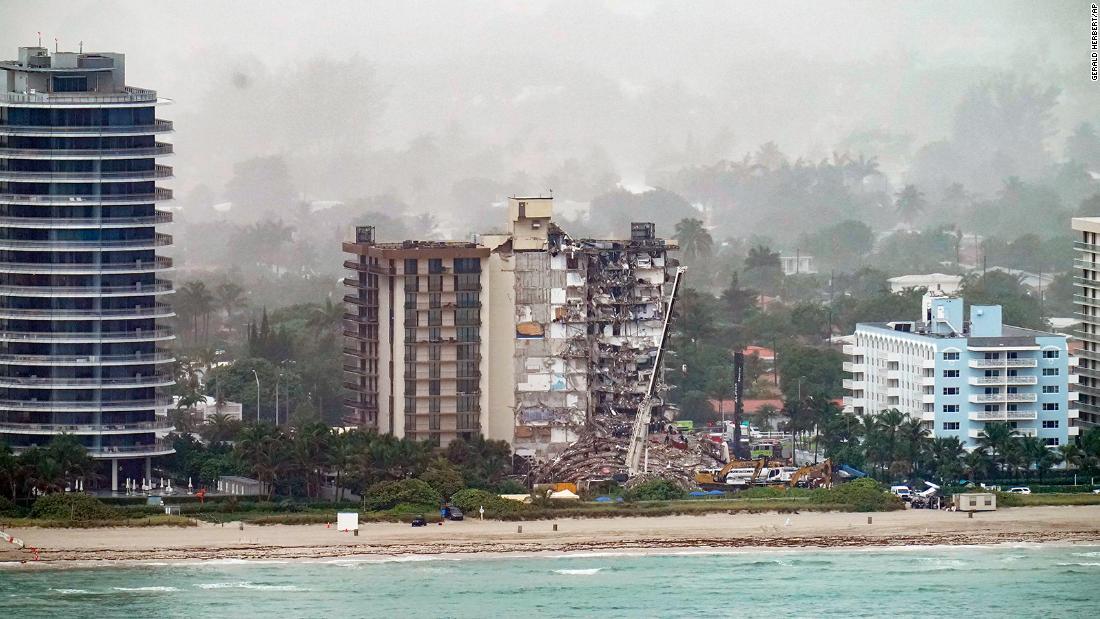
{"type": "Point", "coordinates": [976, 502]}
{"type": "Point", "coordinates": [208, 407]}
{"type": "Point", "coordinates": [798, 264]}
{"type": "Point", "coordinates": [933, 282]}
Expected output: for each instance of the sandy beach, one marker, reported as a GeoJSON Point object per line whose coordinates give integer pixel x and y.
{"type": "Point", "coordinates": [812, 529]}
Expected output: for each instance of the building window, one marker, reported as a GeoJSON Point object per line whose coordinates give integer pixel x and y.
{"type": "Point", "coordinates": [1051, 354]}
{"type": "Point", "coordinates": [467, 265]}
{"type": "Point", "coordinates": [950, 391]}
{"type": "Point", "coordinates": [435, 265]}
{"type": "Point", "coordinates": [1050, 406]}
{"type": "Point", "coordinates": [70, 83]}
{"type": "Point", "coordinates": [950, 425]}
{"type": "Point", "coordinates": [1050, 388]}
{"type": "Point", "coordinates": [1050, 424]}
{"type": "Point", "coordinates": [1051, 442]}
{"type": "Point", "coordinates": [410, 265]}
{"type": "Point", "coordinates": [950, 408]}
{"type": "Point", "coordinates": [1050, 371]}
{"type": "Point", "coordinates": [950, 373]}
{"type": "Point", "coordinates": [950, 356]}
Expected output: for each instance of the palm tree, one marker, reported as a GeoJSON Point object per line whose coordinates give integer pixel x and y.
{"type": "Point", "coordinates": [220, 428]}
{"type": "Point", "coordinates": [230, 297]}
{"type": "Point", "coordinates": [945, 456]}
{"type": "Point", "coordinates": [910, 203]}
{"type": "Point", "coordinates": [1073, 456]}
{"type": "Point", "coordinates": [9, 469]}
{"type": "Point", "coordinates": [310, 447]}
{"type": "Point", "coordinates": [977, 464]}
{"type": "Point", "coordinates": [194, 301]}
{"type": "Point", "coordinates": [914, 441]}
{"type": "Point", "coordinates": [762, 257]}
{"type": "Point", "coordinates": [694, 239]}
{"type": "Point", "coordinates": [996, 439]}
{"type": "Point", "coordinates": [262, 448]}
{"type": "Point", "coordinates": [327, 318]}
{"type": "Point", "coordinates": [890, 428]}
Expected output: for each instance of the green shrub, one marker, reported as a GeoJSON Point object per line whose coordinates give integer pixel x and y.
{"type": "Point", "coordinates": [655, 490]}
{"type": "Point", "coordinates": [861, 495]}
{"type": "Point", "coordinates": [72, 506]}
{"type": "Point", "coordinates": [443, 477]}
{"type": "Point", "coordinates": [510, 486]}
{"type": "Point", "coordinates": [9, 509]}
{"type": "Point", "coordinates": [470, 500]}
{"type": "Point", "coordinates": [388, 494]}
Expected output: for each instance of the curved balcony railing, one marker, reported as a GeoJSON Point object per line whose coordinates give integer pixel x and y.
{"type": "Point", "coordinates": [158, 172]}
{"type": "Point", "coordinates": [161, 149]}
{"type": "Point", "coordinates": [88, 360]}
{"type": "Point", "coordinates": [140, 266]}
{"type": "Point", "coordinates": [61, 406]}
{"type": "Point", "coordinates": [160, 287]}
{"type": "Point", "coordinates": [120, 382]}
{"type": "Point", "coordinates": [161, 217]}
{"type": "Point", "coordinates": [158, 126]}
{"type": "Point", "coordinates": [158, 240]}
{"type": "Point", "coordinates": [129, 94]}
{"type": "Point", "coordinates": [158, 448]}
{"type": "Point", "coordinates": [148, 335]}
{"type": "Point", "coordinates": [160, 195]}
{"type": "Point", "coordinates": [107, 428]}
{"type": "Point", "coordinates": [153, 311]}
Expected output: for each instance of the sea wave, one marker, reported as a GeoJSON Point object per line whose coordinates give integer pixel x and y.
{"type": "Point", "coordinates": [248, 585]}
{"type": "Point", "coordinates": [147, 589]}
{"type": "Point", "coordinates": [1081, 564]}
{"type": "Point", "coordinates": [579, 572]}
{"type": "Point", "coordinates": [1095, 553]}
{"type": "Point", "coordinates": [71, 591]}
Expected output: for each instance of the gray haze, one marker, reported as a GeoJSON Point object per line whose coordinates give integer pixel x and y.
{"type": "Point", "coordinates": [432, 107]}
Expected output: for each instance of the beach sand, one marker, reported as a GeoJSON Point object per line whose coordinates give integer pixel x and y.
{"type": "Point", "coordinates": [741, 530]}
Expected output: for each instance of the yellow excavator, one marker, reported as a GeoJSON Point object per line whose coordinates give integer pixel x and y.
{"type": "Point", "coordinates": [713, 478]}
{"type": "Point", "coordinates": [813, 474]}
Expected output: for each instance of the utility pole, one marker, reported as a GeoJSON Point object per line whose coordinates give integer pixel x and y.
{"type": "Point", "coordinates": [257, 395]}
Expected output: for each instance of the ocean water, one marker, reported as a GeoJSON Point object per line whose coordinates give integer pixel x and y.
{"type": "Point", "coordinates": [1004, 581]}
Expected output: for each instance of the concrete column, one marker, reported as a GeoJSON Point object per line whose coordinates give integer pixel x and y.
{"type": "Point", "coordinates": [149, 469]}
{"type": "Point", "coordinates": [114, 475]}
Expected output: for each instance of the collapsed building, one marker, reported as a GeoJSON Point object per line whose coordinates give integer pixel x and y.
{"type": "Point", "coordinates": [553, 335]}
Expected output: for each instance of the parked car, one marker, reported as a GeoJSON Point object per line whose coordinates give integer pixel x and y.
{"type": "Point", "coordinates": [419, 521]}
{"type": "Point", "coordinates": [902, 492]}
{"type": "Point", "coordinates": [1020, 490]}
{"type": "Point", "coordinates": [455, 514]}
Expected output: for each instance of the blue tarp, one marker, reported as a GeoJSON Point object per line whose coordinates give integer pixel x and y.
{"type": "Point", "coordinates": [603, 499]}
{"type": "Point", "coordinates": [716, 492]}
{"type": "Point", "coordinates": [852, 472]}
{"type": "Point", "coordinates": [697, 493]}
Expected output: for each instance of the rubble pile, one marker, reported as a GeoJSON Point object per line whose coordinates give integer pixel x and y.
{"type": "Point", "coordinates": [600, 453]}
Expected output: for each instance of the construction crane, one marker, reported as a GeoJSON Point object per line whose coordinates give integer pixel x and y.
{"type": "Point", "coordinates": [639, 437]}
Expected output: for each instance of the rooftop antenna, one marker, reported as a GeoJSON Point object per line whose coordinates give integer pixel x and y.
{"type": "Point", "coordinates": [55, 45]}
{"type": "Point", "coordinates": [551, 191]}
{"type": "Point", "coordinates": [39, 39]}
{"type": "Point", "coordinates": [81, 47]}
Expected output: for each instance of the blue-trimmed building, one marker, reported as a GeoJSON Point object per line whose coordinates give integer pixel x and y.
{"type": "Point", "coordinates": [957, 374]}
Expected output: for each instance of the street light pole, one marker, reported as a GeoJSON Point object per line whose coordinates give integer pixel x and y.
{"type": "Point", "coordinates": [257, 395]}
{"type": "Point", "coordinates": [277, 377]}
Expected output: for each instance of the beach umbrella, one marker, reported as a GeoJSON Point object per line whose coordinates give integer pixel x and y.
{"type": "Point", "coordinates": [161, 483]}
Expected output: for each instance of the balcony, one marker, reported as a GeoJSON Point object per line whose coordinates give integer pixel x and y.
{"type": "Point", "coordinates": [1072, 396]}
{"type": "Point", "coordinates": [64, 406]}
{"type": "Point", "coordinates": [158, 240]}
{"type": "Point", "coordinates": [90, 337]}
{"type": "Point", "coordinates": [154, 311]}
{"type": "Point", "coordinates": [159, 195]}
{"type": "Point", "coordinates": [849, 383]}
{"type": "Point", "coordinates": [976, 433]}
{"type": "Point", "coordinates": [88, 360]}
{"type": "Point", "coordinates": [1002, 363]}
{"type": "Point", "coordinates": [377, 269]}
{"type": "Point", "coordinates": [1023, 415]}
{"type": "Point", "coordinates": [161, 149]}
{"type": "Point", "coordinates": [853, 368]}
{"type": "Point", "coordinates": [1073, 379]}
{"type": "Point", "coordinates": [161, 287]}
{"type": "Point", "coordinates": [112, 428]}
{"type": "Point", "coordinates": [852, 350]}
{"type": "Point", "coordinates": [1002, 380]}
{"type": "Point", "coordinates": [987, 398]}
{"type": "Point", "coordinates": [928, 398]}
{"type": "Point", "coordinates": [130, 94]}
{"type": "Point", "coordinates": [158, 126]}
{"type": "Point", "coordinates": [1073, 413]}
{"type": "Point", "coordinates": [140, 266]}
{"type": "Point", "coordinates": [78, 223]}
{"type": "Point", "coordinates": [90, 176]}
{"type": "Point", "coordinates": [1073, 430]}
{"type": "Point", "coordinates": [155, 380]}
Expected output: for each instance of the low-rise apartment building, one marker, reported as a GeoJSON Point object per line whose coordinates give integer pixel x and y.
{"type": "Point", "coordinates": [957, 375]}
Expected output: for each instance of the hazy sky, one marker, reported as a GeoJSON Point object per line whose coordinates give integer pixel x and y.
{"type": "Point", "coordinates": [535, 83]}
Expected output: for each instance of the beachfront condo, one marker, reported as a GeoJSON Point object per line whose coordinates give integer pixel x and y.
{"type": "Point", "coordinates": [521, 336]}
{"type": "Point", "coordinates": [957, 374]}
{"type": "Point", "coordinates": [1086, 297]}
{"type": "Point", "coordinates": [82, 311]}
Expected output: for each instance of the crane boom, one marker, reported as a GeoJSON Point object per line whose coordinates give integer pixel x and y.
{"type": "Point", "coordinates": [645, 409]}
